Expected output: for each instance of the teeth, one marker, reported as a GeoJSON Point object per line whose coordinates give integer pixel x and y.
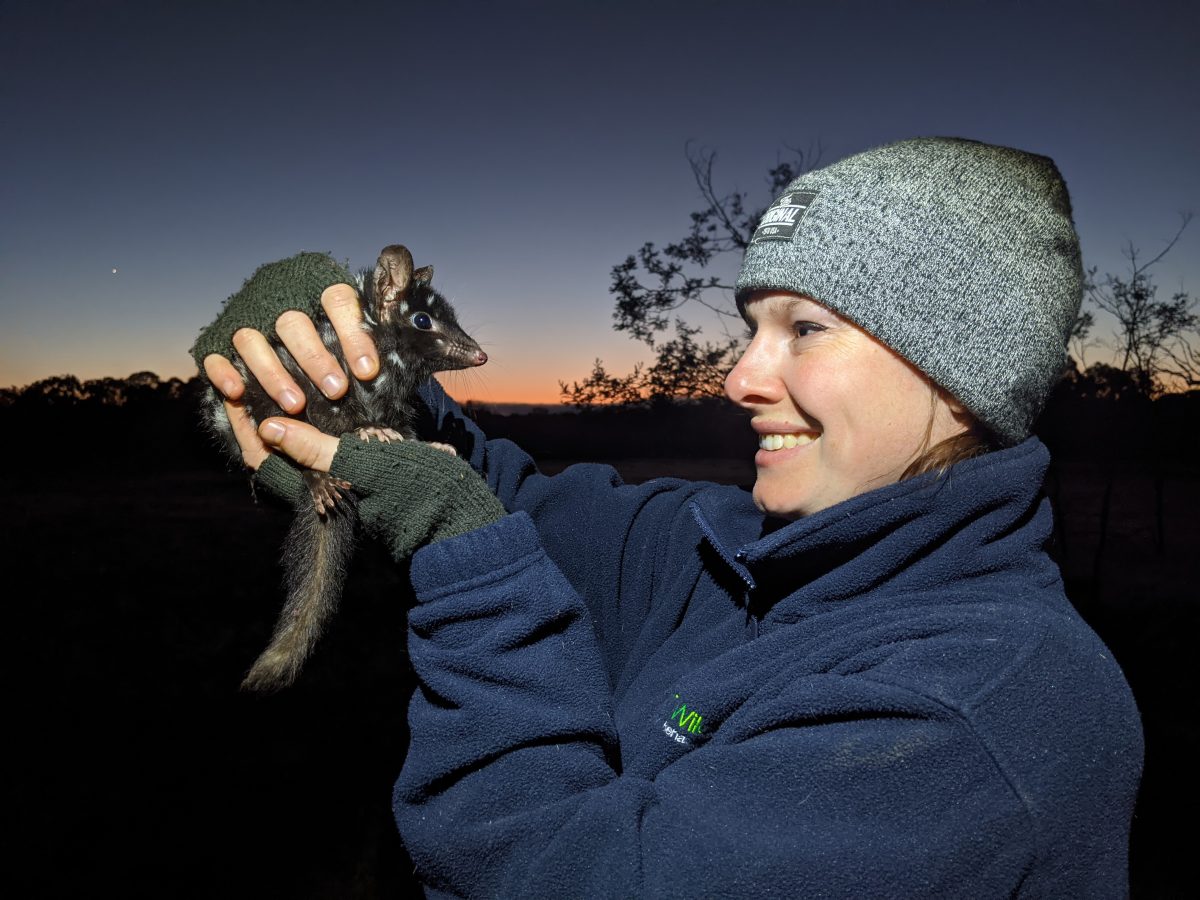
{"type": "Point", "coordinates": [784, 441]}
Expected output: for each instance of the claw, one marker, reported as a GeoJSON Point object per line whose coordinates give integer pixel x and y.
{"type": "Point", "coordinates": [445, 448]}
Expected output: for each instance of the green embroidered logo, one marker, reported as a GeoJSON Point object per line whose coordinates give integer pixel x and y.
{"type": "Point", "coordinates": [687, 721]}
{"type": "Point", "coordinates": [686, 718]}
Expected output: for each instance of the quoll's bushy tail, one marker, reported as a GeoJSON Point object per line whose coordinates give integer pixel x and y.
{"type": "Point", "coordinates": [316, 555]}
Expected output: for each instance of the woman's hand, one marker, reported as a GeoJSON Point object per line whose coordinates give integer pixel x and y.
{"type": "Point", "coordinates": [312, 448]}
{"type": "Point", "coordinates": [299, 335]}
{"type": "Point", "coordinates": [301, 441]}
{"type": "Point", "coordinates": [410, 493]}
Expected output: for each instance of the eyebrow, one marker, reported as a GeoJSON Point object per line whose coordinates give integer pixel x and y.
{"type": "Point", "coordinates": [771, 305]}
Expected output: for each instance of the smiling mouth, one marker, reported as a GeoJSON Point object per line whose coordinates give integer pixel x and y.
{"type": "Point", "coordinates": [785, 441]}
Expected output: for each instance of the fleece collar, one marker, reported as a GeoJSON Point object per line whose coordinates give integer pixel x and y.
{"type": "Point", "coordinates": [985, 516]}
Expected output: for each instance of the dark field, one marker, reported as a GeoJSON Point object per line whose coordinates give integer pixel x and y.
{"type": "Point", "coordinates": [142, 590]}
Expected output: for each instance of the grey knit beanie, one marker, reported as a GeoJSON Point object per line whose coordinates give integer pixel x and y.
{"type": "Point", "coordinates": [958, 255]}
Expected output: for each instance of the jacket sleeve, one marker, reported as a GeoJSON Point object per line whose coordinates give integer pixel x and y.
{"type": "Point", "coordinates": [516, 783]}
{"type": "Point", "coordinates": [592, 526]}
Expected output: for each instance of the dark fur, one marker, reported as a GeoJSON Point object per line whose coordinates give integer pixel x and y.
{"type": "Point", "coordinates": [321, 542]}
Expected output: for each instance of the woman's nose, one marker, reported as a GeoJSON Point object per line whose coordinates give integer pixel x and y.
{"type": "Point", "coordinates": [752, 382]}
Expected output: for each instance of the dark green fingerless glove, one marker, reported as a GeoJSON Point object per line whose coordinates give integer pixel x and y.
{"type": "Point", "coordinates": [292, 283]}
{"type": "Point", "coordinates": [281, 478]}
{"type": "Point", "coordinates": [414, 494]}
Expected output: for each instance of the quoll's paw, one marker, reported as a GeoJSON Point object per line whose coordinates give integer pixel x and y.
{"type": "Point", "coordinates": [326, 491]}
{"type": "Point", "coordinates": [380, 433]}
{"type": "Point", "coordinates": [445, 448]}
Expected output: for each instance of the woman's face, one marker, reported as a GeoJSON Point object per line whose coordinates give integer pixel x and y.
{"type": "Point", "coordinates": [837, 413]}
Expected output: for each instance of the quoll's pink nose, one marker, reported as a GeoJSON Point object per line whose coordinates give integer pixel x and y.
{"type": "Point", "coordinates": [479, 358]}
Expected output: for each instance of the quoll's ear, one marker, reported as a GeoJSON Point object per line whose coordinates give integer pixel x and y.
{"type": "Point", "coordinates": [425, 274]}
{"type": "Point", "coordinates": [393, 274]}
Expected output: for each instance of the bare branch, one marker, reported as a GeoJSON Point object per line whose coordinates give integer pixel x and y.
{"type": "Point", "coordinates": [1186, 217]}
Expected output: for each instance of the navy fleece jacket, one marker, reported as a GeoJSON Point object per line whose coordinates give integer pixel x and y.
{"type": "Point", "coordinates": [648, 692]}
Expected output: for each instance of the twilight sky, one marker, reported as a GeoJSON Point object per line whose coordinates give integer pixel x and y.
{"type": "Point", "coordinates": [521, 148]}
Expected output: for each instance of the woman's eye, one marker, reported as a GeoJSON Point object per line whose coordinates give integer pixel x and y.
{"type": "Point", "coordinates": [422, 320]}
{"type": "Point", "coordinates": [804, 329]}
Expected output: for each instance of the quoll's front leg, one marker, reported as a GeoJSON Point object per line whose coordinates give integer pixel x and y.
{"type": "Point", "coordinates": [325, 490]}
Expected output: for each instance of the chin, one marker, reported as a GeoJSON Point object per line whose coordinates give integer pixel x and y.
{"type": "Point", "coordinates": [772, 505]}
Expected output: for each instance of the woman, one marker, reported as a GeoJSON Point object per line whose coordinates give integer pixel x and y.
{"type": "Point", "coordinates": [864, 680]}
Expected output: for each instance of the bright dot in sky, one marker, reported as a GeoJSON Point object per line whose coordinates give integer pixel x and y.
{"type": "Point", "coordinates": [114, 271]}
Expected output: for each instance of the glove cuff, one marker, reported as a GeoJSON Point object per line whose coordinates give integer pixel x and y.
{"type": "Point", "coordinates": [280, 479]}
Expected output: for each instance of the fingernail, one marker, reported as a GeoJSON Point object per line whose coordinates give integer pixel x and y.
{"type": "Point", "coordinates": [228, 387]}
{"type": "Point", "coordinates": [289, 399]}
{"type": "Point", "coordinates": [363, 365]}
{"type": "Point", "coordinates": [331, 384]}
{"type": "Point", "coordinates": [272, 432]}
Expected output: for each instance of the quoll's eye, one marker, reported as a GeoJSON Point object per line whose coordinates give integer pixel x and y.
{"type": "Point", "coordinates": [422, 320]}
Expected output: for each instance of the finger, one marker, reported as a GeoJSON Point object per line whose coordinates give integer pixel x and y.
{"type": "Point", "coordinates": [341, 304]}
{"type": "Point", "coordinates": [302, 442]}
{"type": "Point", "coordinates": [254, 451]}
{"type": "Point", "coordinates": [260, 359]}
{"type": "Point", "coordinates": [223, 376]}
{"type": "Point", "coordinates": [299, 335]}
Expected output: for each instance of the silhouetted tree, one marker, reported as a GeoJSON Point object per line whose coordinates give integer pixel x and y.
{"type": "Point", "coordinates": [57, 390]}
{"type": "Point", "coordinates": [601, 388]}
{"type": "Point", "coordinates": [140, 388]}
{"type": "Point", "coordinates": [1101, 381]}
{"type": "Point", "coordinates": [655, 282]}
{"type": "Point", "coordinates": [1156, 340]}
{"type": "Point", "coordinates": [107, 391]}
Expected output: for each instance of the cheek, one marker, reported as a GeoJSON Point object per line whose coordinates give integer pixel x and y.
{"type": "Point", "coordinates": [885, 412]}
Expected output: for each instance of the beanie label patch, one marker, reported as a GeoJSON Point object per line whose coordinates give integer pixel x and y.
{"type": "Point", "coordinates": [779, 223]}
